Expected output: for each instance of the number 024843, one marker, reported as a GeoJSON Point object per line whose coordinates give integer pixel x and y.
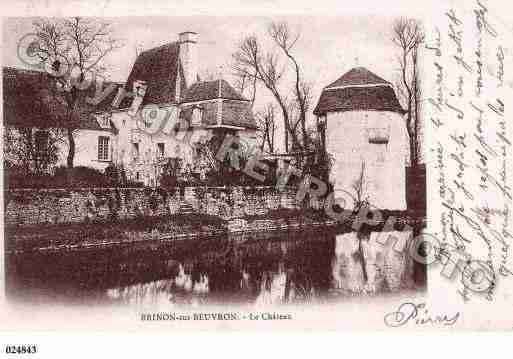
{"type": "Point", "coordinates": [20, 349]}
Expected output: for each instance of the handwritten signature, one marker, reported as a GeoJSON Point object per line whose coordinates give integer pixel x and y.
{"type": "Point", "coordinates": [419, 315]}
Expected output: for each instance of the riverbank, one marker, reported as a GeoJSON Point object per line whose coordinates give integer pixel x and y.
{"type": "Point", "coordinates": [97, 234]}
{"type": "Point", "coordinates": [71, 236]}
{"type": "Point", "coordinates": [175, 227]}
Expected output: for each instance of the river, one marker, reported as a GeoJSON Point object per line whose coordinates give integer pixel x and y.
{"type": "Point", "coordinates": [259, 269]}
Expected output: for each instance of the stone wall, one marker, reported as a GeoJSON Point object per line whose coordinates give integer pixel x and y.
{"type": "Point", "coordinates": [28, 206]}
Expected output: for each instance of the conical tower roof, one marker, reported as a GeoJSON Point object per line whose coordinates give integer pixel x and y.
{"type": "Point", "coordinates": [358, 90]}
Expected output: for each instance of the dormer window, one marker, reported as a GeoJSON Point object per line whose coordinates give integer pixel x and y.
{"type": "Point", "coordinates": [197, 114]}
{"type": "Point", "coordinates": [103, 120]}
{"type": "Point", "coordinates": [139, 91]}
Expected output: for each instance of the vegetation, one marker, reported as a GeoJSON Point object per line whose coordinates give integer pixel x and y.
{"type": "Point", "coordinates": [254, 64]}
{"type": "Point", "coordinates": [62, 177]}
{"type": "Point", "coordinates": [30, 150]}
{"type": "Point", "coordinates": [359, 187]}
{"type": "Point", "coordinates": [408, 36]}
{"type": "Point", "coordinates": [73, 50]}
{"type": "Point", "coordinates": [208, 171]}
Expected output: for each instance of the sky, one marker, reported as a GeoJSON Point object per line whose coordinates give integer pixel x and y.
{"type": "Point", "coordinates": [328, 47]}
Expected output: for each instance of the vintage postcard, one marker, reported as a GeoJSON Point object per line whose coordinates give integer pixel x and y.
{"type": "Point", "coordinates": [268, 167]}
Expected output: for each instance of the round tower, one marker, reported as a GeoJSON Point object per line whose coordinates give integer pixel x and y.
{"type": "Point", "coordinates": [367, 138]}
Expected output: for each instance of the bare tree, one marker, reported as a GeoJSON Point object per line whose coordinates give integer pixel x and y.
{"type": "Point", "coordinates": [408, 36]}
{"type": "Point", "coordinates": [252, 64]}
{"type": "Point", "coordinates": [267, 127]}
{"type": "Point", "coordinates": [358, 187]}
{"type": "Point", "coordinates": [251, 61]}
{"type": "Point", "coordinates": [73, 50]}
{"type": "Point", "coordinates": [417, 97]}
{"type": "Point", "coordinates": [247, 84]}
{"type": "Point", "coordinates": [286, 40]}
{"type": "Point", "coordinates": [361, 200]}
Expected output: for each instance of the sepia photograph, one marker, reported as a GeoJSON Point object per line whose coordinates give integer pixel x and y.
{"type": "Point", "coordinates": [181, 162]}
{"type": "Point", "coordinates": [327, 178]}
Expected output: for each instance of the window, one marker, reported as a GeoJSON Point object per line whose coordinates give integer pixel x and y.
{"type": "Point", "coordinates": [378, 135]}
{"type": "Point", "coordinates": [322, 122]}
{"type": "Point", "coordinates": [104, 120]}
{"type": "Point", "coordinates": [103, 148]}
{"type": "Point", "coordinates": [196, 116]}
{"type": "Point", "coordinates": [41, 140]}
{"type": "Point", "coordinates": [135, 149]}
{"type": "Point", "coordinates": [160, 150]}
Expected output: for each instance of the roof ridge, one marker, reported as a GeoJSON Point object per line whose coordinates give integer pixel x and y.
{"type": "Point", "coordinates": [219, 88]}
{"type": "Point", "coordinates": [358, 76]}
{"type": "Point", "coordinates": [330, 87]}
{"type": "Point", "coordinates": [159, 47]}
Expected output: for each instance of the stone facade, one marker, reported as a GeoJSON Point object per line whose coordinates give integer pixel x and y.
{"type": "Point", "coordinates": [349, 138]}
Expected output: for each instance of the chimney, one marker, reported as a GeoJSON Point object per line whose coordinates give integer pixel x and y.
{"type": "Point", "coordinates": [189, 55]}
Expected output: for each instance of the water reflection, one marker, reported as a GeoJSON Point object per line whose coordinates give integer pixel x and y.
{"type": "Point", "coordinates": [363, 265]}
{"type": "Point", "coordinates": [286, 268]}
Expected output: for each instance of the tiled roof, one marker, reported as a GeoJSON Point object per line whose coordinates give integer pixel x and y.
{"type": "Point", "coordinates": [357, 77]}
{"type": "Point", "coordinates": [358, 89]}
{"type": "Point", "coordinates": [233, 113]}
{"type": "Point", "coordinates": [30, 100]}
{"type": "Point", "coordinates": [208, 90]}
{"type": "Point", "coordinates": [161, 68]}
{"type": "Point", "coordinates": [237, 113]}
{"type": "Point", "coordinates": [235, 109]}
